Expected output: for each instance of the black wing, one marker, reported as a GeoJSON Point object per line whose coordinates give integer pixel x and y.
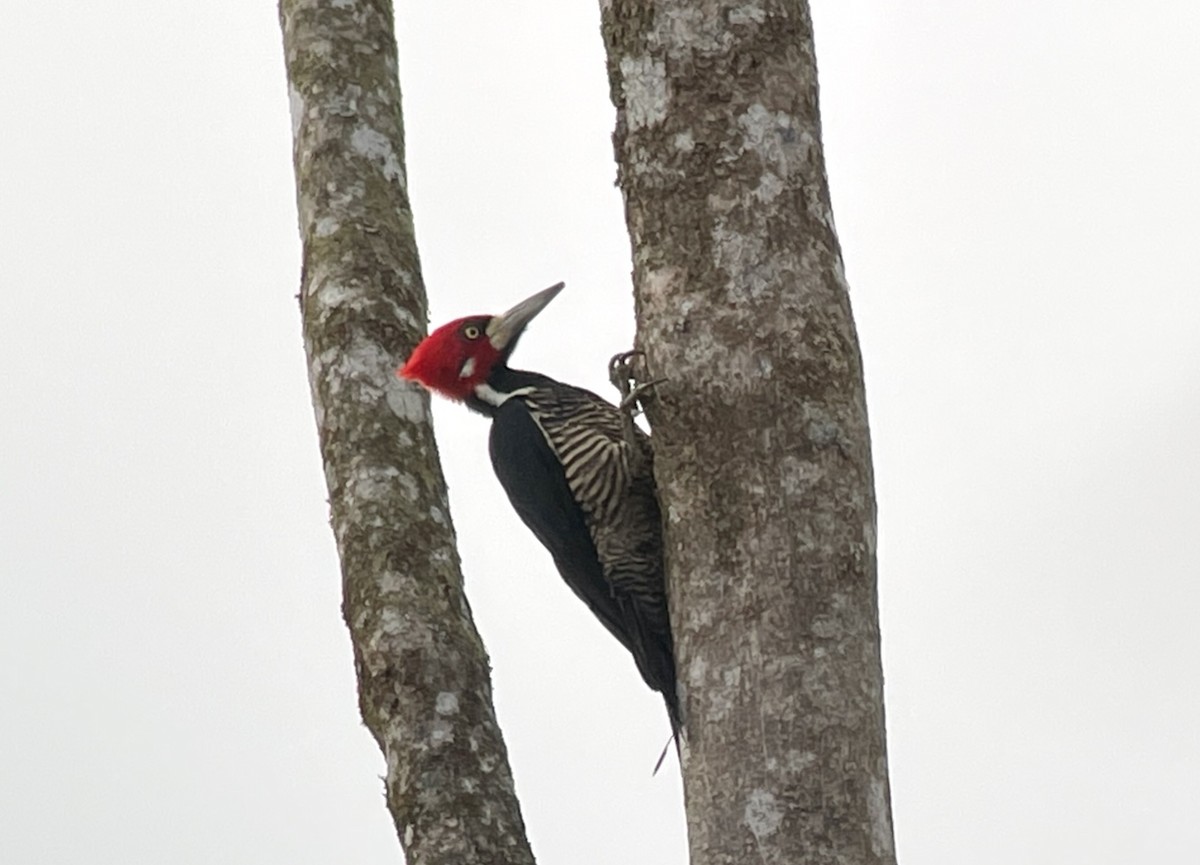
{"type": "Point", "coordinates": [536, 484]}
{"type": "Point", "coordinates": [555, 446]}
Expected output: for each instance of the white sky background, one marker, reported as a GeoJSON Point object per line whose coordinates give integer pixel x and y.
{"type": "Point", "coordinates": [1016, 187]}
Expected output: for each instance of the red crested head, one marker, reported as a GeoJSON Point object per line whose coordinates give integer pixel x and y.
{"type": "Point", "coordinates": [458, 358]}
{"type": "Point", "coordinates": [454, 359]}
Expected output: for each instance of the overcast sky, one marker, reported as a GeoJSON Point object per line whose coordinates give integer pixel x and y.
{"type": "Point", "coordinates": [1016, 187]}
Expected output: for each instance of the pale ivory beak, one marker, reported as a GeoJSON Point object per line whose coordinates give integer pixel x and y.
{"type": "Point", "coordinates": [503, 329]}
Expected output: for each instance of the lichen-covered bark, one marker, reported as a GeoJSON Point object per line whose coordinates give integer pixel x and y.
{"type": "Point", "coordinates": [424, 681]}
{"type": "Point", "coordinates": [762, 453]}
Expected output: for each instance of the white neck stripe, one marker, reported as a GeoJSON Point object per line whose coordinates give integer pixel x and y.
{"type": "Point", "coordinates": [491, 396]}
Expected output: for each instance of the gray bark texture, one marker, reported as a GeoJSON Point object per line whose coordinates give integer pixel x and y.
{"type": "Point", "coordinates": [423, 676]}
{"type": "Point", "coordinates": [761, 448]}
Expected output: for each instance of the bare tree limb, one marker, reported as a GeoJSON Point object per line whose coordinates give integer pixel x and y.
{"type": "Point", "coordinates": [762, 453]}
{"type": "Point", "coordinates": [424, 681]}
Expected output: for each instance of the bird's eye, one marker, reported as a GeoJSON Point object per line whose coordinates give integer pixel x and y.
{"type": "Point", "coordinates": [472, 332]}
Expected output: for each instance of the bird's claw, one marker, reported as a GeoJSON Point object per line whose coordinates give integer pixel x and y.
{"type": "Point", "coordinates": [620, 371]}
{"type": "Point", "coordinates": [625, 380]}
{"type": "Point", "coordinates": [630, 400]}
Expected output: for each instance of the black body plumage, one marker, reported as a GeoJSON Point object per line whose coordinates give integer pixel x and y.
{"type": "Point", "coordinates": [587, 493]}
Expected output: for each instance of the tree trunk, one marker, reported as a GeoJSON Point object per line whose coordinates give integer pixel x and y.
{"type": "Point", "coordinates": [762, 454]}
{"type": "Point", "coordinates": [423, 675]}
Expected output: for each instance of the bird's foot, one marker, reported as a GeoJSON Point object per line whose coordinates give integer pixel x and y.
{"type": "Point", "coordinates": [629, 403]}
{"type": "Point", "coordinates": [620, 370]}
{"type": "Point", "coordinates": [625, 380]}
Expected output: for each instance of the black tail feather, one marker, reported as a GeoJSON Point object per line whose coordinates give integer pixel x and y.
{"type": "Point", "coordinates": [674, 715]}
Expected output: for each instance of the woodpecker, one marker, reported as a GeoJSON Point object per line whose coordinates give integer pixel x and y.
{"type": "Point", "coordinates": [577, 471]}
